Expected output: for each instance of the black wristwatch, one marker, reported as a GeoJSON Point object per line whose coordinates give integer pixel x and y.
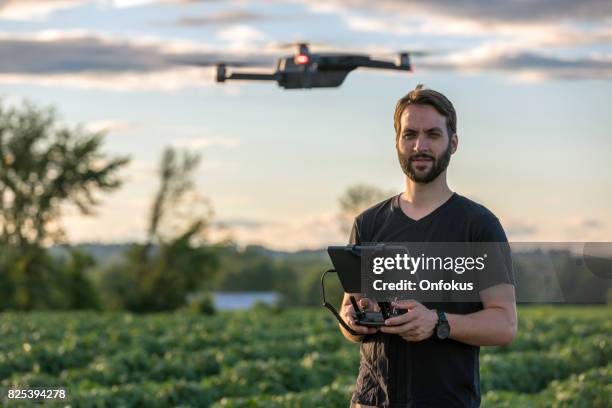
{"type": "Point", "coordinates": [442, 327]}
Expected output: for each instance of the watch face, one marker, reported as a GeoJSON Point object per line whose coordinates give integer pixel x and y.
{"type": "Point", "coordinates": [443, 330]}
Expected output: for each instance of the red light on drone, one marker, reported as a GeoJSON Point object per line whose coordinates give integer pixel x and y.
{"type": "Point", "coordinates": [301, 59]}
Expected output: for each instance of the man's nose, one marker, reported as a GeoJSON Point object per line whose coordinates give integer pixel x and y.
{"type": "Point", "coordinates": [421, 144]}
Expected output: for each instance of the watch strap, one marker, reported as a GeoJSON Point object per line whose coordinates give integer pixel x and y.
{"type": "Point", "coordinates": [442, 328]}
{"type": "Point", "coordinates": [441, 316]}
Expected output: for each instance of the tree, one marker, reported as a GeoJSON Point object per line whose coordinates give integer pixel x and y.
{"type": "Point", "coordinates": [174, 260]}
{"type": "Point", "coordinates": [357, 198]}
{"type": "Point", "coordinates": [43, 166]}
{"type": "Point", "coordinates": [177, 206]}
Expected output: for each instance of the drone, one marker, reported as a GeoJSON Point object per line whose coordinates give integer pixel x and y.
{"type": "Point", "coordinates": [306, 70]}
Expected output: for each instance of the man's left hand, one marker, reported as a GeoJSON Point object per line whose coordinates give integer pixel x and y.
{"type": "Point", "coordinates": [417, 324]}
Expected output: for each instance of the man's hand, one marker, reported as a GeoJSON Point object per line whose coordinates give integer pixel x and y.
{"type": "Point", "coordinates": [416, 324]}
{"type": "Point", "coordinates": [348, 314]}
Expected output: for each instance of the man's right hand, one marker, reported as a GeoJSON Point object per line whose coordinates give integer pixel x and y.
{"type": "Point", "coordinates": [348, 314]}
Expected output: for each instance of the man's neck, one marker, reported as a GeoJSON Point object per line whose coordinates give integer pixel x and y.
{"type": "Point", "coordinates": [426, 195]}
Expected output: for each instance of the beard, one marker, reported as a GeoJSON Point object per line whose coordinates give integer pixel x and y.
{"type": "Point", "coordinates": [438, 165]}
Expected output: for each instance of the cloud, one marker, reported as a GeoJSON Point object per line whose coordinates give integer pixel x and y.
{"type": "Point", "coordinates": [70, 52]}
{"type": "Point", "coordinates": [585, 229]}
{"type": "Point", "coordinates": [528, 66]}
{"type": "Point", "coordinates": [523, 46]}
{"type": "Point", "coordinates": [527, 40]}
{"type": "Point", "coordinates": [136, 3]}
{"type": "Point", "coordinates": [519, 230]}
{"type": "Point", "coordinates": [107, 126]}
{"type": "Point", "coordinates": [312, 232]}
{"type": "Point", "coordinates": [222, 17]}
{"type": "Point", "coordinates": [502, 38]}
{"type": "Point", "coordinates": [167, 80]}
{"type": "Point", "coordinates": [529, 35]}
{"type": "Point", "coordinates": [33, 9]}
{"type": "Point", "coordinates": [237, 223]}
{"type": "Point", "coordinates": [90, 60]}
{"type": "Point", "coordinates": [206, 142]}
{"type": "Point", "coordinates": [541, 66]}
{"type": "Point", "coordinates": [242, 37]}
{"type": "Point", "coordinates": [379, 25]}
{"type": "Point", "coordinates": [592, 223]}
{"type": "Point", "coordinates": [489, 11]}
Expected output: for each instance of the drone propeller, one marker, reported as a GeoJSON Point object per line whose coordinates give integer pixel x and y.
{"type": "Point", "coordinates": [298, 43]}
{"type": "Point", "coordinates": [414, 53]}
{"type": "Point", "coordinates": [302, 47]}
{"type": "Point", "coordinates": [292, 44]}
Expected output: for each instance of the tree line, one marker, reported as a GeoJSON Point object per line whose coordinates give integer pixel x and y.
{"type": "Point", "coordinates": [47, 168]}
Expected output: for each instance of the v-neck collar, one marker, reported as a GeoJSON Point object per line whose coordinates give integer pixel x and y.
{"type": "Point", "coordinates": [397, 207]}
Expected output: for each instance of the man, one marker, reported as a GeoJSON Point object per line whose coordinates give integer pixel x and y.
{"type": "Point", "coordinates": [409, 363]}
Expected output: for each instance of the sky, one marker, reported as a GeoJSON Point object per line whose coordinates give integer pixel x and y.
{"type": "Point", "coordinates": [530, 81]}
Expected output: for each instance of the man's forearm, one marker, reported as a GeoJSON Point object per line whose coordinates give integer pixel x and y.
{"type": "Point", "coordinates": [493, 326]}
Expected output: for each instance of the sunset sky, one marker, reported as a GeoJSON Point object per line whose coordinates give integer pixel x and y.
{"type": "Point", "coordinates": [531, 85]}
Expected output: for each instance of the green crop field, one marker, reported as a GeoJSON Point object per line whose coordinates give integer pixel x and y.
{"type": "Point", "coordinates": [297, 358]}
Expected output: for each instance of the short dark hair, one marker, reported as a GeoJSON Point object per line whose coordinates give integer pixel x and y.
{"type": "Point", "coordinates": [420, 96]}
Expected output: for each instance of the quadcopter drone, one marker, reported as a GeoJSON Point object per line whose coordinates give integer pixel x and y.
{"type": "Point", "coordinates": [306, 70]}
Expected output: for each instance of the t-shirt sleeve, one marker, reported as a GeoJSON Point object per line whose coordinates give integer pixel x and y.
{"type": "Point", "coordinates": [489, 238]}
{"type": "Point", "coordinates": [355, 236]}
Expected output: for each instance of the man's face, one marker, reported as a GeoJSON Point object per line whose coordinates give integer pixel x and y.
{"type": "Point", "coordinates": [423, 146]}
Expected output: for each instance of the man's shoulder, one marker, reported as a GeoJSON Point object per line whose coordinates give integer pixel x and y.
{"type": "Point", "coordinates": [473, 210]}
{"type": "Point", "coordinates": [484, 226]}
{"type": "Point", "coordinates": [382, 208]}
{"type": "Point", "coordinates": [367, 222]}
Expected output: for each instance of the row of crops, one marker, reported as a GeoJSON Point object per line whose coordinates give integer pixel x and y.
{"type": "Point", "coordinates": [296, 358]}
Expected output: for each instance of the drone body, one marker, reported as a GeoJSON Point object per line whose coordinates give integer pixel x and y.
{"type": "Point", "coordinates": [306, 70]}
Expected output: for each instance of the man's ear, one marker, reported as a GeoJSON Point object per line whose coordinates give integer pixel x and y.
{"type": "Point", "coordinates": [454, 143]}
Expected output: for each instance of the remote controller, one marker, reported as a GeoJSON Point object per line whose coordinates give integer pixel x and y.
{"type": "Point", "coordinates": [375, 319]}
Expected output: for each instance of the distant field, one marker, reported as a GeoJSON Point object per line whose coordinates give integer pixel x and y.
{"type": "Point", "coordinates": [561, 358]}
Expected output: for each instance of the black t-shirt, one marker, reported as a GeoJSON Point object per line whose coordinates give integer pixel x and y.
{"type": "Point", "coordinates": [396, 373]}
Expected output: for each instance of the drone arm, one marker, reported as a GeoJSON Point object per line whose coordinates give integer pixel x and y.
{"type": "Point", "coordinates": [372, 63]}
{"type": "Point", "coordinates": [252, 76]}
